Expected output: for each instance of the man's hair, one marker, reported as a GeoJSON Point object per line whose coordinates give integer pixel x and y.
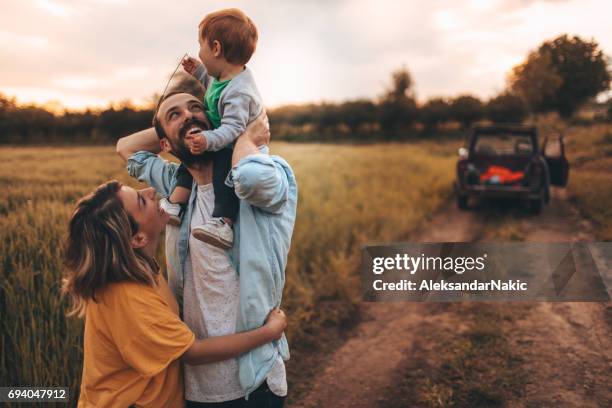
{"type": "Point", "coordinates": [181, 82]}
{"type": "Point", "coordinates": [98, 248]}
{"type": "Point", "coordinates": [234, 30]}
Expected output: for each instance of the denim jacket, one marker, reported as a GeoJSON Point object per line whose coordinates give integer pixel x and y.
{"type": "Point", "coordinates": [268, 195]}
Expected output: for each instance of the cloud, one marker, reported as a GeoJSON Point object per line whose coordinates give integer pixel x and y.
{"type": "Point", "coordinates": [108, 50]}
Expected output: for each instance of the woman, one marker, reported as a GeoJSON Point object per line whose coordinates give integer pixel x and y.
{"type": "Point", "coordinates": [134, 339]}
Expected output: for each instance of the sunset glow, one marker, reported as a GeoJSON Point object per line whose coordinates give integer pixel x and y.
{"type": "Point", "coordinates": [92, 52]}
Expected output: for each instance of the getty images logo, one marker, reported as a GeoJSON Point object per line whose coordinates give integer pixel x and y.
{"type": "Point", "coordinates": [412, 264]}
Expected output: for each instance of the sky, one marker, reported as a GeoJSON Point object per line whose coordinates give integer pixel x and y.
{"type": "Point", "coordinates": [81, 53]}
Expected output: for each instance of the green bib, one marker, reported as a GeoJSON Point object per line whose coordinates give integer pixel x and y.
{"type": "Point", "coordinates": [213, 93]}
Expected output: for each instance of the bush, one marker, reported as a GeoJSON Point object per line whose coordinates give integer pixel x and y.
{"type": "Point", "coordinates": [466, 109]}
{"type": "Point", "coordinates": [506, 108]}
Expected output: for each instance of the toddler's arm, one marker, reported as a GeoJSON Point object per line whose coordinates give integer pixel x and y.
{"type": "Point", "coordinates": [197, 70]}
{"type": "Point", "coordinates": [233, 123]}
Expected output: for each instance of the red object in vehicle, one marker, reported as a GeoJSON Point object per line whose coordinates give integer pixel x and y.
{"type": "Point", "coordinates": [501, 175]}
{"type": "Point", "coordinates": [506, 161]}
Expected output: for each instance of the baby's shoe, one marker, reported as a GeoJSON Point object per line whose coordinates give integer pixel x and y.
{"type": "Point", "coordinates": [215, 232]}
{"type": "Point", "coordinates": [173, 210]}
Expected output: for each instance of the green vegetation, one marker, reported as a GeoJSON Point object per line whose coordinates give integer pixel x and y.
{"type": "Point", "coordinates": [561, 75]}
{"type": "Point", "coordinates": [469, 366]}
{"type": "Point", "coordinates": [589, 150]}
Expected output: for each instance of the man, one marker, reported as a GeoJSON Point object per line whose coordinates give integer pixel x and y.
{"type": "Point", "coordinates": [223, 292]}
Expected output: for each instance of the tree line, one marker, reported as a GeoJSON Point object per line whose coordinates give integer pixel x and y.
{"type": "Point", "coordinates": [35, 124]}
{"type": "Point", "coordinates": [561, 75]}
{"type": "Point", "coordinates": [392, 117]}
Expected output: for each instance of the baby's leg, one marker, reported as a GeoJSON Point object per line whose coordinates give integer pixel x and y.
{"type": "Point", "coordinates": [217, 231]}
{"type": "Point", "coordinates": [226, 201]}
{"type": "Point", "coordinates": [179, 197]}
{"type": "Point", "coordinates": [182, 191]}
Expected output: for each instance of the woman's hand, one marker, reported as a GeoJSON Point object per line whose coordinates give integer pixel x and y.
{"type": "Point", "coordinates": [276, 323]}
{"type": "Point", "coordinates": [213, 349]}
{"type": "Point", "coordinates": [258, 131]}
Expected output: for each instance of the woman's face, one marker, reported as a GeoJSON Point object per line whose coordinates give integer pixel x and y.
{"type": "Point", "coordinates": [143, 206]}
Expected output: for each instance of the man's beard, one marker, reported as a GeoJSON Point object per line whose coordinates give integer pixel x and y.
{"type": "Point", "coordinates": [180, 149]}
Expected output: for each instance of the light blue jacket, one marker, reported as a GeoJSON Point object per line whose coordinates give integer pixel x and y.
{"type": "Point", "coordinates": [268, 195]}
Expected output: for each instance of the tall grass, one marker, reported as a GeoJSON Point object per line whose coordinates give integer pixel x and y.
{"type": "Point", "coordinates": [348, 196]}
{"type": "Point", "coordinates": [590, 154]}
{"type": "Point", "coordinates": [588, 148]}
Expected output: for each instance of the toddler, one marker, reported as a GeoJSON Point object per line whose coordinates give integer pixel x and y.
{"type": "Point", "coordinates": [227, 41]}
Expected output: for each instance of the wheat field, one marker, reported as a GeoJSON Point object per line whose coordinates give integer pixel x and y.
{"type": "Point", "coordinates": [348, 195]}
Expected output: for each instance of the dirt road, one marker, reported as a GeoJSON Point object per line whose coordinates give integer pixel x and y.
{"type": "Point", "coordinates": [565, 349]}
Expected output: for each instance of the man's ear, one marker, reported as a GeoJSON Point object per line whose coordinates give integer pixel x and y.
{"type": "Point", "coordinates": [139, 240]}
{"type": "Point", "coordinates": [217, 49]}
{"type": "Point", "coordinates": [165, 146]}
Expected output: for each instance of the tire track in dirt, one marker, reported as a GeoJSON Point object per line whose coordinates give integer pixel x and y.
{"type": "Point", "coordinates": [358, 373]}
{"type": "Point", "coordinates": [566, 346]}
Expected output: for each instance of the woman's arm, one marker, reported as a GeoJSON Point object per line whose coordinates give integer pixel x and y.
{"type": "Point", "coordinates": [221, 348]}
{"type": "Point", "coordinates": [144, 140]}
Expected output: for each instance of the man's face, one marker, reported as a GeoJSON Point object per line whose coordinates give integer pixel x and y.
{"type": "Point", "coordinates": [181, 115]}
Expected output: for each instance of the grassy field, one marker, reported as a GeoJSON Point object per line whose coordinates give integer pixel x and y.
{"type": "Point", "coordinates": [348, 196]}
{"type": "Point", "coordinates": [590, 153]}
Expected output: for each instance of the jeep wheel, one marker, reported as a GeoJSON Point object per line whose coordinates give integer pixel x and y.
{"type": "Point", "coordinates": [547, 194]}
{"type": "Point", "coordinates": [462, 201]}
{"type": "Point", "coordinates": [535, 206]}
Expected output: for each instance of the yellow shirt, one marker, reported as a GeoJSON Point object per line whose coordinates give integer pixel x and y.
{"type": "Point", "coordinates": [133, 338]}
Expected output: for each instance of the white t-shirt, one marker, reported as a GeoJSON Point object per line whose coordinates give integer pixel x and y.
{"type": "Point", "coordinates": [210, 306]}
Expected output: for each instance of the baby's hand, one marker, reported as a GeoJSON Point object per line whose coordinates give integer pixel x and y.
{"type": "Point", "coordinates": [196, 143]}
{"type": "Point", "coordinates": [190, 64]}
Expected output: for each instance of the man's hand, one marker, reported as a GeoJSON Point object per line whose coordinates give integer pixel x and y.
{"type": "Point", "coordinates": [190, 64]}
{"type": "Point", "coordinates": [258, 131]}
{"type": "Point", "coordinates": [196, 143]}
{"type": "Point", "coordinates": [276, 323]}
{"type": "Point", "coordinates": [256, 134]}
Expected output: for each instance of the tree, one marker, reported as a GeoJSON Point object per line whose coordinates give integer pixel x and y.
{"type": "Point", "coordinates": [398, 107]}
{"type": "Point", "coordinates": [466, 109]}
{"type": "Point", "coordinates": [561, 75]}
{"type": "Point", "coordinates": [434, 112]}
{"type": "Point", "coordinates": [537, 82]}
{"type": "Point", "coordinates": [506, 108]}
{"type": "Point", "coordinates": [327, 116]}
{"type": "Point", "coordinates": [401, 85]}
{"type": "Point", "coordinates": [398, 113]}
{"type": "Point", "coordinates": [357, 113]}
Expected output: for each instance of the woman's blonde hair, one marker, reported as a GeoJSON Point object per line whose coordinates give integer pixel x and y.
{"type": "Point", "coordinates": [98, 248]}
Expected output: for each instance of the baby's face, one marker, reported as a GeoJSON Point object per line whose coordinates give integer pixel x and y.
{"type": "Point", "coordinates": [208, 58]}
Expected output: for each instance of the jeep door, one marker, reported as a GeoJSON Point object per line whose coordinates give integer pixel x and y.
{"type": "Point", "coordinates": [553, 150]}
